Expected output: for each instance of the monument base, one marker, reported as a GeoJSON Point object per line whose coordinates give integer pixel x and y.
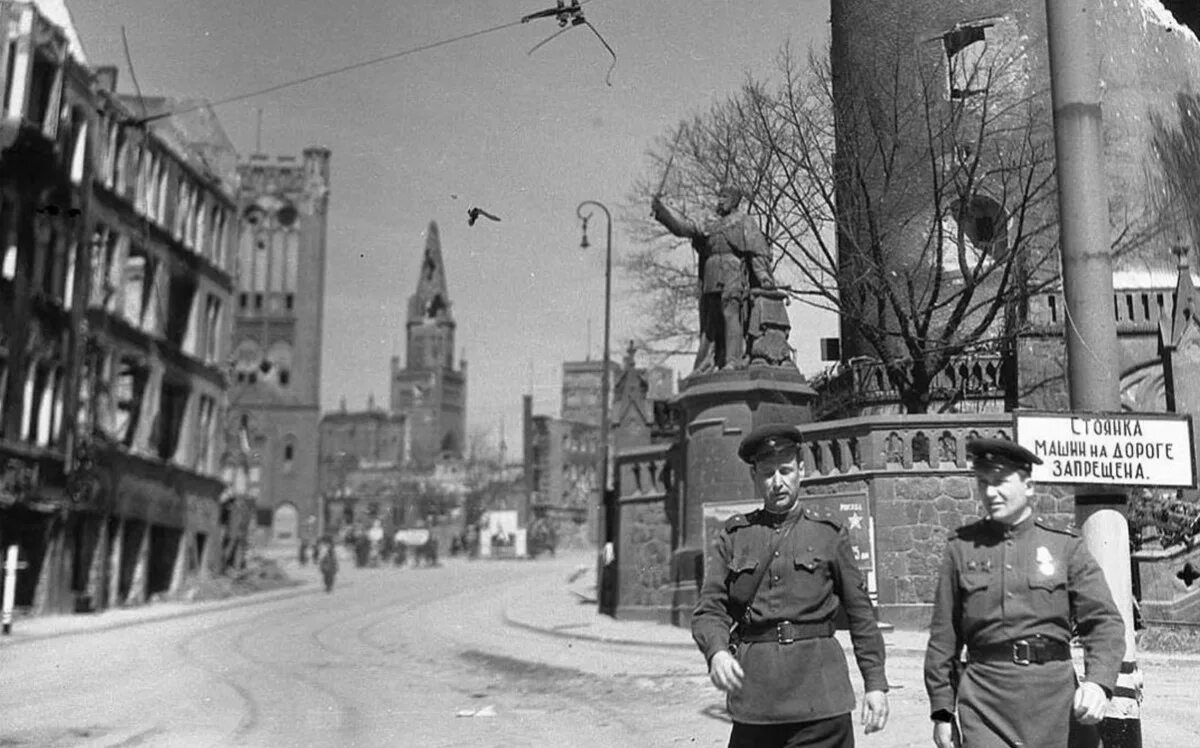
{"type": "Point", "coordinates": [717, 409]}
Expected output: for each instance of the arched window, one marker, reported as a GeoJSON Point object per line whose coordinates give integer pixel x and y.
{"type": "Point", "coordinates": [289, 453]}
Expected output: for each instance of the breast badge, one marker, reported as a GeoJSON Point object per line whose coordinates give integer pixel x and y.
{"type": "Point", "coordinates": [1045, 561]}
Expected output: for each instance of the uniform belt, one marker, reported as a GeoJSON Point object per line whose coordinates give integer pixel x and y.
{"type": "Point", "coordinates": [785, 632]}
{"type": "Point", "coordinates": [1032, 651]}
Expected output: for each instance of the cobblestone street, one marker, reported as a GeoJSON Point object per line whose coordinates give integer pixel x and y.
{"type": "Point", "coordinates": [493, 653]}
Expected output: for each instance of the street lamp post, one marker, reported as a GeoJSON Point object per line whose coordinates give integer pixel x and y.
{"type": "Point", "coordinates": [607, 604]}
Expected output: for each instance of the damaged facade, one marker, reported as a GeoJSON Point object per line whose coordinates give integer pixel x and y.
{"type": "Point", "coordinates": [116, 289]}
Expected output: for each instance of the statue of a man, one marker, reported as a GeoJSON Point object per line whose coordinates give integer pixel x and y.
{"type": "Point", "coordinates": [734, 258]}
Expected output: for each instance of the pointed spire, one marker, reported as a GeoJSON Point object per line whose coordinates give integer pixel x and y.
{"type": "Point", "coordinates": [431, 299]}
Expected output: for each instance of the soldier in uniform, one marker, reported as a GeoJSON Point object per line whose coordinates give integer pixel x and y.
{"type": "Point", "coordinates": [785, 675]}
{"type": "Point", "coordinates": [1012, 585]}
{"type": "Point", "coordinates": [734, 258]}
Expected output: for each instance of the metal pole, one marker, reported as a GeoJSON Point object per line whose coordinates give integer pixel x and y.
{"type": "Point", "coordinates": [607, 538]}
{"type": "Point", "coordinates": [1092, 350]}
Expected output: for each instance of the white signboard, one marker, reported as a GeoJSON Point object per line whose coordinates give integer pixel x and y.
{"type": "Point", "coordinates": [1125, 449]}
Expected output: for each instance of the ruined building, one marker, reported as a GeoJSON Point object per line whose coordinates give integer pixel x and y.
{"type": "Point", "coordinates": [276, 366]}
{"type": "Point", "coordinates": [117, 222]}
{"type": "Point", "coordinates": [429, 391]}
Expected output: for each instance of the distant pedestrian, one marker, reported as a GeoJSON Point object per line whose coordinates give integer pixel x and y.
{"type": "Point", "coordinates": [328, 565]}
{"type": "Point", "coordinates": [1012, 588]}
{"type": "Point", "coordinates": [780, 574]}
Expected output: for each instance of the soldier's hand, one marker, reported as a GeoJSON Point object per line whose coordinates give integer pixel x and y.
{"type": "Point", "coordinates": [945, 735]}
{"type": "Point", "coordinates": [1090, 703]}
{"type": "Point", "coordinates": [725, 672]}
{"type": "Point", "coordinates": [875, 711]}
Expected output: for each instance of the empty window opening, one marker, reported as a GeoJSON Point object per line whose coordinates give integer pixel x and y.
{"type": "Point", "coordinates": [1186, 12]}
{"type": "Point", "coordinates": [965, 54]}
{"type": "Point", "coordinates": [180, 296]}
{"type": "Point", "coordinates": [171, 410]}
{"type": "Point", "coordinates": [128, 389]}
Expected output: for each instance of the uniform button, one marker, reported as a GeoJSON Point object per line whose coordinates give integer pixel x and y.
{"type": "Point", "coordinates": [1008, 594]}
{"type": "Point", "coordinates": [776, 578]}
{"type": "Point", "coordinates": [810, 548]}
{"type": "Point", "coordinates": [1008, 542]}
{"type": "Point", "coordinates": [776, 530]}
{"type": "Point", "coordinates": [1008, 566]}
{"type": "Point", "coordinates": [776, 554]}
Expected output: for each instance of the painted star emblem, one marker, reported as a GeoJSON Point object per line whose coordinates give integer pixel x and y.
{"type": "Point", "coordinates": [855, 521]}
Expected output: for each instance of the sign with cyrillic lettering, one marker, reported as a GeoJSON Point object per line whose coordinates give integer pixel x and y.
{"type": "Point", "coordinates": [1126, 449]}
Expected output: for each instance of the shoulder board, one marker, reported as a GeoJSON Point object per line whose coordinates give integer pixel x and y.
{"type": "Point", "coordinates": [736, 521]}
{"type": "Point", "coordinates": [825, 515]}
{"type": "Point", "coordinates": [1056, 525]}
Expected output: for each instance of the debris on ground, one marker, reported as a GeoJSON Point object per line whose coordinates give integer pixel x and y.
{"type": "Point", "coordinates": [260, 574]}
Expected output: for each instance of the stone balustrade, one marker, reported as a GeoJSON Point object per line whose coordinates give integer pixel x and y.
{"type": "Point", "coordinates": [863, 384]}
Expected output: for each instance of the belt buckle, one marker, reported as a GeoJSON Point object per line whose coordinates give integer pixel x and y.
{"type": "Point", "coordinates": [779, 636]}
{"type": "Point", "coordinates": [1016, 652]}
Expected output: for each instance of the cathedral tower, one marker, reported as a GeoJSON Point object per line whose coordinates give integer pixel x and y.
{"type": "Point", "coordinates": [275, 393]}
{"type": "Point", "coordinates": [428, 389]}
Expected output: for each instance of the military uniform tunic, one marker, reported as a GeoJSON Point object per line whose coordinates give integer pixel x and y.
{"type": "Point", "coordinates": [1000, 584]}
{"type": "Point", "coordinates": [812, 570]}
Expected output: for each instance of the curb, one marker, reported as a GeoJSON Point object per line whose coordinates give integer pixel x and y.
{"type": "Point", "coordinates": [191, 609]}
{"type": "Point", "coordinates": [563, 634]}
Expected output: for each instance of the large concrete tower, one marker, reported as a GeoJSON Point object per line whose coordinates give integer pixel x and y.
{"type": "Point", "coordinates": [428, 389]}
{"type": "Point", "coordinates": [277, 331]}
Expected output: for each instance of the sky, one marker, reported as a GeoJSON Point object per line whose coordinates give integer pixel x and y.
{"type": "Point", "coordinates": [480, 121]}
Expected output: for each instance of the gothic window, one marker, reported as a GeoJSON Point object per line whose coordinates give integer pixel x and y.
{"type": "Point", "coordinates": [277, 239]}
{"type": "Point", "coordinates": [261, 262]}
{"type": "Point", "coordinates": [291, 261]}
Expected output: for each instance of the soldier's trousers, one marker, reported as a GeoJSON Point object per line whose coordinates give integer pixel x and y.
{"type": "Point", "coordinates": [834, 732]}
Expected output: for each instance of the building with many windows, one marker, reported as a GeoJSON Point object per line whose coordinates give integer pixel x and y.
{"type": "Point", "coordinates": [116, 222]}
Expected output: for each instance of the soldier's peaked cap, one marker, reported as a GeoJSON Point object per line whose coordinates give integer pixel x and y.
{"type": "Point", "coordinates": [768, 440]}
{"type": "Point", "coordinates": [992, 451]}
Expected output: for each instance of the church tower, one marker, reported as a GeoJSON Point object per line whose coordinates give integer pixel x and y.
{"type": "Point", "coordinates": [277, 332]}
{"type": "Point", "coordinates": [428, 389]}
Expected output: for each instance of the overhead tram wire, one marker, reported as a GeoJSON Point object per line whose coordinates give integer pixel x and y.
{"type": "Point", "coordinates": [329, 73]}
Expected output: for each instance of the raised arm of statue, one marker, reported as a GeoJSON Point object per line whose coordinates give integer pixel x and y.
{"type": "Point", "coordinates": [674, 221]}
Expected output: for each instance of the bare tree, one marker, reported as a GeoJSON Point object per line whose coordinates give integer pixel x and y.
{"type": "Point", "coordinates": [1174, 178]}
{"type": "Point", "coordinates": [926, 223]}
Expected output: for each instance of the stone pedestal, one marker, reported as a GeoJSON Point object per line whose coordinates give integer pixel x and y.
{"type": "Point", "coordinates": [717, 410]}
